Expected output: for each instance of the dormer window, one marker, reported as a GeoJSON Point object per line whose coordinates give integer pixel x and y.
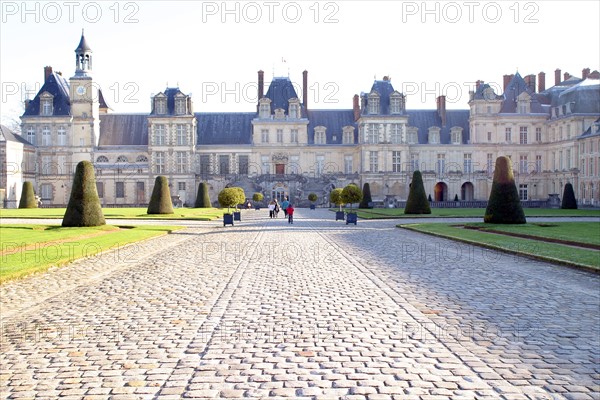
{"type": "Point", "coordinates": [373, 103]}
{"type": "Point", "coordinates": [264, 108]}
{"type": "Point", "coordinates": [180, 106]}
{"type": "Point", "coordinates": [279, 113]}
{"type": "Point", "coordinates": [46, 104]}
{"type": "Point", "coordinates": [412, 133]}
{"type": "Point", "coordinates": [320, 136]}
{"type": "Point", "coordinates": [434, 135]}
{"type": "Point", "coordinates": [456, 135]}
{"type": "Point", "coordinates": [523, 103]}
{"type": "Point", "coordinates": [396, 103]}
{"type": "Point", "coordinates": [160, 105]}
{"type": "Point", "coordinates": [348, 135]}
{"type": "Point", "coordinates": [294, 109]}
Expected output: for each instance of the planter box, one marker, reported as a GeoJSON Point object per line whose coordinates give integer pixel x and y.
{"type": "Point", "coordinates": [227, 219]}
{"type": "Point", "coordinates": [312, 207]}
{"type": "Point", "coordinates": [351, 218]}
{"type": "Point", "coordinates": [237, 215]}
{"type": "Point", "coordinates": [257, 208]}
{"type": "Point", "coordinates": [339, 215]}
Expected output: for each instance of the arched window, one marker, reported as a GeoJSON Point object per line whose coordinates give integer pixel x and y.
{"type": "Point", "coordinates": [102, 159]}
{"type": "Point", "coordinates": [122, 159]}
{"type": "Point", "coordinates": [141, 159]}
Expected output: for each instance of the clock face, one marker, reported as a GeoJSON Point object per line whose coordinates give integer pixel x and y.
{"type": "Point", "coordinates": [81, 90]}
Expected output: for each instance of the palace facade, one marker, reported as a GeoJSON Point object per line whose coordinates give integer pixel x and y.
{"type": "Point", "coordinates": [284, 148]}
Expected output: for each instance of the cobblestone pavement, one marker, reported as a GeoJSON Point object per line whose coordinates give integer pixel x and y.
{"type": "Point", "coordinates": [317, 309]}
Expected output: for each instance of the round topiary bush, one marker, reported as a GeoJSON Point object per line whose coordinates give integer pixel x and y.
{"type": "Point", "coordinates": [504, 205]}
{"type": "Point", "coordinates": [366, 196]}
{"type": "Point", "coordinates": [160, 201]}
{"type": "Point", "coordinates": [28, 196]}
{"type": "Point", "coordinates": [335, 197]}
{"type": "Point", "coordinates": [241, 196]}
{"type": "Point", "coordinates": [229, 197]}
{"type": "Point", "coordinates": [84, 207]}
{"type": "Point", "coordinates": [203, 199]}
{"type": "Point", "coordinates": [417, 202]}
{"type": "Point", "coordinates": [312, 197]}
{"type": "Point", "coordinates": [257, 197]}
{"type": "Point", "coordinates": [568, 201]}
{"type": "Point", "coordinates": [351, 194]}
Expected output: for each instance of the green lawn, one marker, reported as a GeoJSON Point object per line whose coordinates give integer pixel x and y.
{"type": "Point", "coordinates": [199, 214]}
{"type": "Point", "coordinates": [26, 249]}
{"type": "Point", "coordinates": [540, 249]}
{"type": "Point", "coordinates": [470, 212]}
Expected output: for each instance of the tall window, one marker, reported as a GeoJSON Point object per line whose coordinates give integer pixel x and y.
{"type": "Point", "coordinates": [348, 137]}
{"type": "Point", "coordinates": [159, 135]}
{"type": "Point", "coordinates": [46, 136]}
{"type": "Point", "coordinates": [294, 110]}
{"type": "Point", "coordinates": [62, 136]}
{"type": "Point", "coordinates": [538, 163]}
{"type": "Point", "coordinates": [320, 136]}
{"type": "Point", "coordinates": [467, 163]}
{"type": "Point", "coordinates": [396, 133]}
{"type": "Point", "coordinates": [523, 169]}
{"type": "Point", "coordinates": [224, 164]}
{"type": "Point", "coordinates": [31, 135]}
{"type": "Point", "coordinates": [264, 135]}
{"type": "Point", "coordinates": [440, 167]}
{"type": "Point", "coordinates": [412, 136]}
{"type": "Point", "coordinates": [456, 136]}
{"type": "Point", "coordinates": [372, 133]}
{"type": "Point", "coordinates": [414, 162]}
{"type": "Point", "coordinates": [523, 135]}
{"type": "Point", "coordinates": [374, 161]}
{"type": "Point", "coordinates": [347, 164]}
{"type": "Point", "coordinates": [320, 165]}
{"type": "Point", "coordinates": [243, 164]}
{"type": "Point", "coordinates": [538, 134]}
{"type": "Point", "coordinates": [294, 136]}
{"type": "Point", "coordinates": [265, 110]}
{"type": "Point", "coordinates": [266, 165]}
{"type": "Point", "coordinates": [159, 162]}
{"type": "Point", "coordinates": [560, 160]}
{"type": "Point", "coordinates": [508, 135]}
{"type": "Point", "coordinates": [374, 104]}
{"type": "Point", "coordinates": [568, 159]}
{"type": "Point", "coordinates": [47, 191]}
{"type": "Point", "coordinates": [523, 192]}
{"type": "Point", "coordinates": [205, 164]}
{"type": "Point", "coordinates": [120, 190]}
{"type": "Point", "coordinates": [181, 160]}
{"type": "Point", "coordinates": [180, 106]}
{"type": "Point", "coordinates": [181, 135]}
{"type": "Point", "coordinates": [395, 104]}
{"type": "Point", "coordinates": [489, 136]}
{"type": "Point", "coordinates": [490, 163]}
{"type": "Point", "coordinates": [47, 107]}
{"type": "Point", "coordinates": [279, 135]}
{"type": "Point", "coordinates": [161, 106]}
{"type": "Point", "coordinates": [100, 189]}
{"type": "Point", "coordinates": [396, 162]}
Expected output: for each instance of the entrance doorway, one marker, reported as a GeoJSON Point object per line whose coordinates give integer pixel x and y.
{"type": "Point", "coordinates": [440, 192]}
{"type": "Point", "coordinates": [140, 193]}
{"type": "Point", "coordinates": [467, 191]}
{"type": "Point", "coordinates": [280, 169]}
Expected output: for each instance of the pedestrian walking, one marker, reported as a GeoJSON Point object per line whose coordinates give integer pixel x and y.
{"type": "Point", "coordinates": [271, 209]}
{"type": "Point", "coordinates": [284, 205]}
{"type": "Point", "coordinates": [276, 210]}
{"type": "Point", "coordinates": [290, 214]}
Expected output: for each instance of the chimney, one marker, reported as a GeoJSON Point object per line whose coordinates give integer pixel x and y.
{"type": "Point", "coordinates": [356, 107]}
{"type": "Point", "coordinates": [507, 79]}
{"type": "Point", "coordinates": [305, 89]}
{"type": "Point", "coordinates": [47, 73]}
{"type": "Point", "coordinates": [441, 108]}
{"type": "Point", "coordinates": [261, 84]}
{"type": "Point", "coordinates": [477, 84]}
{"type": "Point", "coordinates": [585, 73]}
{"type": "Point", "coordinates": [594, 75]}
{"type": "Point", "coordinates": [541, 82]}
{"type": "Point", "coordinates": [530, 82]}
{"type": "Point", "coordinates": [567, 76]}
{"type": "Point", "coordinates": [557, 80]}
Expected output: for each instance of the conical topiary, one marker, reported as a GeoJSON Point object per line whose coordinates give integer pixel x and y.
{"type": "Point", "coordinates": [203, 199]}
{"type": "Point", "coordinates": [417, 202]}
{"type": "Point", "coordinates": [28, 196]}
{"type": "Point", "coordinates": [84, 207]}
{"type": "Point", "coordinates": [568, 200]}
{"type": "Point", "coordinates": [504, 205]}
{"type": "Point", "coordinates": [366, 196]}
{"type": "Point", "coordinates": [160, 202]}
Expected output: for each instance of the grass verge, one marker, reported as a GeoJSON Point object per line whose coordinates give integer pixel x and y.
{"type": "Point", "coordinates": [198, 214]}
{"type": "Point", "coordinates": [381, 213]}
{"type": "Point", "coordinates": [27, 249]}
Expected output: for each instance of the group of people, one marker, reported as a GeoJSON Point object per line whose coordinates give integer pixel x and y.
{"type": "Point", "coordinates": [286, 206]}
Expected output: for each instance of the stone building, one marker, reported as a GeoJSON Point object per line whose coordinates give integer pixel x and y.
{"type": "Point", "coordinates": [285, 148]}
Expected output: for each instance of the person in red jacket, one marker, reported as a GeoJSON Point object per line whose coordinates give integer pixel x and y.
{"type": "Point", "coordinates": [290, 213]}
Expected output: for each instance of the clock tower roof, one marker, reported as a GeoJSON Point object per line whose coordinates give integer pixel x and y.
{"type": "Point", "coordinates": [83, 46]}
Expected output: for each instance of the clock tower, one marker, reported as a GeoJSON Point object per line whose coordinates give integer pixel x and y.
{"type": "Point", "coordinates": [84, 93]}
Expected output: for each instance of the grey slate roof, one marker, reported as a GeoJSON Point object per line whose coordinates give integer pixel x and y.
{"type": "Point", "coordinates": [593, 130]}
{"type": "Point", "coordinates": [424, 119]}
{"type": "Point", "coordinates": [58, 87]}
{"type": "Point", "coordinates": [480, 93]}
{"type": "Point", "coordinates": [224, 128]}
{"type": "Point", "coordinates": [583, 96]}
{"type": "Point", "coordinates": [7, 135]}
{"type": "Point", "coordinates": [334, 121]}
{"type": "Point", "coordinates": [170, 93]}
{"type": "Point", "coordinates": [281, 90]}
{"type": "Point", "coordinates": [384, 89]}
{"type": "Point", "coordinates": [123, 130]}
{"type": "Point", "coordinates": [517, 86]}
{"type": "Point", "coordinates": [83, 46]}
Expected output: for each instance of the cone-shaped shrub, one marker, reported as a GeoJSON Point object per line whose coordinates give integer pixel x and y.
{"type": "Point", "coordinates": [160, 202]}
{"type": "Point", "coordinates": [417, 202]}
{"type": "Point", "coordinates": [336, 197]}
{"type": "Point", "coordinates": [429, 198]}
{"type": "Point", "coordinates": [351, 194]}
{"type": "Point", "coordinates": [568, 200]}
{"type": "Point", "coordinates": [84, 207]}
{"type": "Point", "coordinates": [366, 196]}
{"type": "Point", "coordinates": [27, 196]}
{"type": "Point", "coordinates": [203, 199]}
{"type": "Point", "coordinates": [504, 205]}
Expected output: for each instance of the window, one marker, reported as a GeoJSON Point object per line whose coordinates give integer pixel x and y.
{"type": "Point", "coordinates": [223, 164]}
{"type": "Point", "coordinates": [414, 162]}
{"type": "Point", "coordinates": [120, 190]}
{"type": "Point", "coordinates": [523, 169]}
{"type": "Point", "coordinates": [46, 165]}
{"type": "Point", "coordinates": [180, 106]}
{"type": "Point", "coordinates": [412, 136]}
{"type": "Point", "coordinates": [62, 136]}
{"type": "Point", "coordinates": [31, 135]}
{"type": "Point", "coordinates": [161, 106]}
{"type": "Point", "coordinates": [100, 189]}
{"type": "Point", "coordinates": [319, 165]}
{"type": "Point", "coordinates": [489, 136]}
{"type": "Point", "coordinates": [102, 159]}
{"type": "Point", "coordinates": [568, 159]}
{"type": "Point", "coordinates": [396, 133]}
{"type": "Point", "coordinates": [159, 162]}
{"type": "Point", "coordinates": [141, 159]}
{"type": "Point", "coordinates": [81, 141]}
{"type": "Point", "coordinates": [265, 164]}
{"type": "Point", "coordinates": [456, 135]}
{"type": "Point", "coordinates": [122, 159]}
{"type": "Point", "coordinates": [294, 110]}
{"type": "Point", "coordinates": [347, 164]}
{"type": "Point", "coordinates": [538, 134]}
{"type": "Point", "coordinates": [372, 133]}
{"type": "Point", "coordinates": [181, 160]}
{"type": "Point", "coordinates": [181, 133]}
{"type": "Point", "coordinates": [467, 163]}
{"type": "Point", "coordinates": [264, 134]}
{"type": "Point", "coordinates": [560, 133]}
{"type": "Point", "coordinates": [434, 135]}
{"type": "Point", "coordinates": [440, 167]}
{"type": "Point", "coordinates": [159, 135]}
{"type": "Point", "coordinates": [396, 162]}
{"type": "Point", "coordinates": [490, 163]}
{"type": "Point", "coordinates": [560, 160]}
{"type": "Point", "coordinates": [265, 109]}
{"type": "Point", "coordinates": [320, 137]}
{"type": "Point", "coordinates": [47, 191]}
{"type": "Point", "coordinates": [181, 186]}
{"type": "Point", "coordinates": [294, 136]}
{"type": "Point", "coordinates": [396, 104]}
{"type": "Point", "coordinates": [279, 135]}
{"type": "Point", "coordinates": [348, 136]}
{"type": "Point", "coordinates": [47, 106]}
{"type": "Point", "coordinates": [508, 135]}
{"type": "Point", "coordinates": [523, 192]}
{"type": "Point", "coordinates": [46, 136]}
{"type": "Point", "coordinates": [582, 167]}
{"type": "Point", "coordinates": [374, 104]}
{"type": "Point", "coordinates": [568, 131]}
{"type": "Point", "coordinates": [538, 163]}
{"type": "Point", "coordinates": [489, 109]}
{"type": "Point", "coordinates": [373, 161]}
{"type": "Point", "coordinates": [243, 165]}
{"type": "Point", "coordinates": [523, 135]}
{"type": "Point", "coordinates": [294, 165]}
{"type": "Point", "coordinates": [205, 164]}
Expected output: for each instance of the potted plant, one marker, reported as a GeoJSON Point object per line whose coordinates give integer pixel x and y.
{"type": "Point", "coordinates": [351, 194]}
{"type": "Point", "coordinates": [237, 214]}
{"type": "Point", "coordinates": [228, 197]}
{"type": "Point", "coordinates": [257, 198]}
{"type": "Point", "coordinates": [312, 197]}
{"type": "Point", "coordinates": [336, 198]}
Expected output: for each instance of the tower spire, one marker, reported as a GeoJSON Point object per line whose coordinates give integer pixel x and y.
{"type": "Point", "coordinates": [83, 57]}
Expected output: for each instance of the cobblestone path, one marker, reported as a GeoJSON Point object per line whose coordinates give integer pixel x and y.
{"type": "Point", "coordinates": [315, 310]}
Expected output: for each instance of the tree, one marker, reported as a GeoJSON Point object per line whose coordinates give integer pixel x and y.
{"type": "Point", "coordinates": [258, 197]}
{"type": "Point", "coordinates": [84, 207]}
{"type": "Point", "coordinates": [568, 200]}
{"type": "Point", "coordinates": [429, 198]}
{"type": "Point", "coordinates": [241, 199]}
{"type": "Point", "coordinates": [203, 199]}
{"type": "Point", "coordinates": [504, 205]}
{"type": "Point", "coordinates": [417, 202]}
{"type": "Point", "coordinates": [366, 200]}
{"type": "Point", "coordinates": [456, 197]}
{"type": "Point", "coordinates": [229, 197]}
{"type": "Point", "coordinates": [352, 194]}
{"type": "Point", "coordinates": [160, 201]}
{"type": "Point", "coordinates": [336, 197]}
{"type": "Point", "coordinates": [28, 196]}
{"type": "Point", "coordinates": [312, 197]}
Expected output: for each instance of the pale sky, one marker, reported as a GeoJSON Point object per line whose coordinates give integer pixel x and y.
{"type": "Point", "coordinates": [213, 50]}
